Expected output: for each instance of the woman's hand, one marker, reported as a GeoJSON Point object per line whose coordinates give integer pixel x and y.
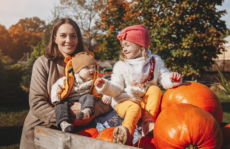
{"type": "Point", "coordinates": [175, 77]}
{"type": "Point", "coordinates": [106, 101]}
{"type": "Point", "coordinates": [75, 108]}
{"type": "Point", "coordinates": [99, 82]}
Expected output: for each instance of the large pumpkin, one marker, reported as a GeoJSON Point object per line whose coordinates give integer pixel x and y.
{"type": "Point", "coordinates": [187, 126]}
{"type": "Point", "coordinates": [146, 142]}
{"type": "Point", "coordinates": [226, 135]}
{"type": "Point", "coordinates": [196, 94]}
{"type": "Point", "coordinates": [106, 134]}
{"type": "Point", "coordinates": [89, 132]}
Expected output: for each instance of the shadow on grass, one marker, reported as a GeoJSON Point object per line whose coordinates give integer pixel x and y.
{"type": "Point", "coordinates": [10, 135]}
{"type": "Point", "coordinates": [14, 108]}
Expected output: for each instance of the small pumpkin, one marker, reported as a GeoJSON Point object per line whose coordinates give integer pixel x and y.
{"type": "Point", "coordinates": [106, 134]}
{"type": "Point", "coordinates": [89, 132]}
{"type": "Point", "coordinates": [226, 134]}
{"type": "Point", "coordinates": [146, 142]}
{"type": "Point", "coordinates": [187, 126]}
{"type": "Point", "coordinates": [196, 94]}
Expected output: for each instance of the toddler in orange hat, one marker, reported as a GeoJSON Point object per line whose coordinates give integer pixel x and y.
{"type": "Point", "coordinates": [84, 68]}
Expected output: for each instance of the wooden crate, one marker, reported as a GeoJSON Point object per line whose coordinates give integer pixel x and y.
{"type": "Point", "coordinates": [47, 138]}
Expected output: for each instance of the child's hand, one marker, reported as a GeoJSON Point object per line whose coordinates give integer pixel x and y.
{"type": "Point", "coordinates": [175, 77]}
{"type": "Point", "coordinates": [99, 82]}
{"type": "Point", "coordinates": [106, 101]}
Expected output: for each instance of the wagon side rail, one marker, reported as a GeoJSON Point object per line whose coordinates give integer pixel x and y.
{"type": "Point", "coordinates": [47, 138]}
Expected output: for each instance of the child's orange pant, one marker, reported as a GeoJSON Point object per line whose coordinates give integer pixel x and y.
{"type": "Point", "coordinates": [132, 111]}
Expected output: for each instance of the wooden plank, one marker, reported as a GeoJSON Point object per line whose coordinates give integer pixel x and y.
{"type": "Point", "coordinates": [47, 138]}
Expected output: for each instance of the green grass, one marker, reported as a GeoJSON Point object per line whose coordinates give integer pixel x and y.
{"type": "Point", "coordinates": [225, 102]}
{"type": "Point", "coordinates": [226, 117]}
{"type": "Point", "coordinates": [11, 122]}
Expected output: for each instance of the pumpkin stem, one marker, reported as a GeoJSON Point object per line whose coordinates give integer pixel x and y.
{"type": "Point", "coordinates": [190, 146]}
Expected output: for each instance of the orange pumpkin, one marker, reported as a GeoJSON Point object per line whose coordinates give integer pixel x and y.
{"type": "Point", "coordinates": [106, 134]}
{"type": "Point", "coordinates": [226, 135]}
{"type": "Point", "coordinates": [187, 126]}
{"type": "Point", "coordinates": [89, 132]}
{"type": "Point", "coordinates": [196, 94]}
{"type": "Point", "coordinates": [146, 142]}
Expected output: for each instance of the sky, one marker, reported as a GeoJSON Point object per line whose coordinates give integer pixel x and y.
{"type": "Point", "coordinates": [226, 17]}
{"type": "Point", "coordinates": [11, 11]}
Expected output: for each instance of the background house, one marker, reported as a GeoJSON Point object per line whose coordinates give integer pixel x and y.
{"type": "Point", "coordinates": [223, 62]}
{"type": "Point", "coordinates": [24, 59]}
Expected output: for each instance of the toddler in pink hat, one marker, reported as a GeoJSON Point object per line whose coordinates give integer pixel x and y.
{"type": "Point", "coordinates": [134, 84]}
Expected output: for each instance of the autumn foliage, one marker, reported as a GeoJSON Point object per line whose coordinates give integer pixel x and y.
{"type": "Point", "coordinates": [186, 34]}
{"type": "Point", "coordinates": [19, 38]}
{"type": "Point", "coordinates": [22, 40]}
{"type": "Point", "coordinates": [115, 15]}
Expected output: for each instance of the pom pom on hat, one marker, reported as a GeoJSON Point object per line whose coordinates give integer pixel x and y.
{"type": "Point", "coordinates": [137, 34]}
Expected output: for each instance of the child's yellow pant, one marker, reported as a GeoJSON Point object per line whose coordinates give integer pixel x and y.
{"type": "Point", "coordinates": [132, 111]}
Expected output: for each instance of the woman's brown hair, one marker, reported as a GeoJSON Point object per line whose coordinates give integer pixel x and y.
{"type": "Point", "coordinates": [52, 52]}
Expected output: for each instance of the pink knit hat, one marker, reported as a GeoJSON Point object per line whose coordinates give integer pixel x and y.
{"type": "Point", "coordinates": [137, 34]}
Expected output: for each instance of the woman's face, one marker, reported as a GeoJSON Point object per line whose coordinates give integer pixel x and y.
{"type": "Point", "coordinates": [66, 39]}
{"type": "Point", "coordinates": [131, 50]}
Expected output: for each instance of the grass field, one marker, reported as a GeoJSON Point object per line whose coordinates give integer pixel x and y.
{"type": "Point", "coordinates": [225, 102]}
{"type": "Point", "coordinates": [11, 122]}
{"type": "Point", "coordinates": [12, 118]}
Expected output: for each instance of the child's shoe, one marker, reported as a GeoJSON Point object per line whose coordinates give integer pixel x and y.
{"type": "Point", "coordinates": [66, 127]}
{"type": "Point", "coordinates": [121, 135]}
{"type": "Point", "coordinates": [147, 128]}
{"type": "Point", "coordinates": [84, 114]}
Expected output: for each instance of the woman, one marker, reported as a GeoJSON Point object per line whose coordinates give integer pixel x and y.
{"type": "Point", "coordinates": [65, 40]}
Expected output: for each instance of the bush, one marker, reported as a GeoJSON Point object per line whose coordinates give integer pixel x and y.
{"type": "Point", "coordinates": [37, 52]}
{"type": "Point", "coordinates": [10, 78]}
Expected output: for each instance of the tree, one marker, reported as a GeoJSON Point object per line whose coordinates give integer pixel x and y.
{"type": "Point", "coordinates": [32, 24]}
{"type": "Point", "coordinates": [37, 52]}
{"type": "Point", "coordinates": [49, 26]}
{"type": "Point", "coordinates": [10, 78]}
{"type": "Point", "coordinates": [5, 40]}
{"type": "Point", "coordinates": [85, 13]}
{"type": "Point", "coordinates": [24, 34]}
{"type": "Point", "coordinates": [3, 74]}
{"type": "Point", "coordinates": [226, 33]}
{"type": "Point", "coordinates": [20, 41]}
{"type": "Point", "coordinates": [185, 33]}
{"type": "Point", "coordinates": [115, 16]}
{"type": "Point", "coordinates": [39, 49]}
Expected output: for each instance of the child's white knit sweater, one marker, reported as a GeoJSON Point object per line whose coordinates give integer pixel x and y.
{"type": "Point", "coordinates": [121, 88]}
